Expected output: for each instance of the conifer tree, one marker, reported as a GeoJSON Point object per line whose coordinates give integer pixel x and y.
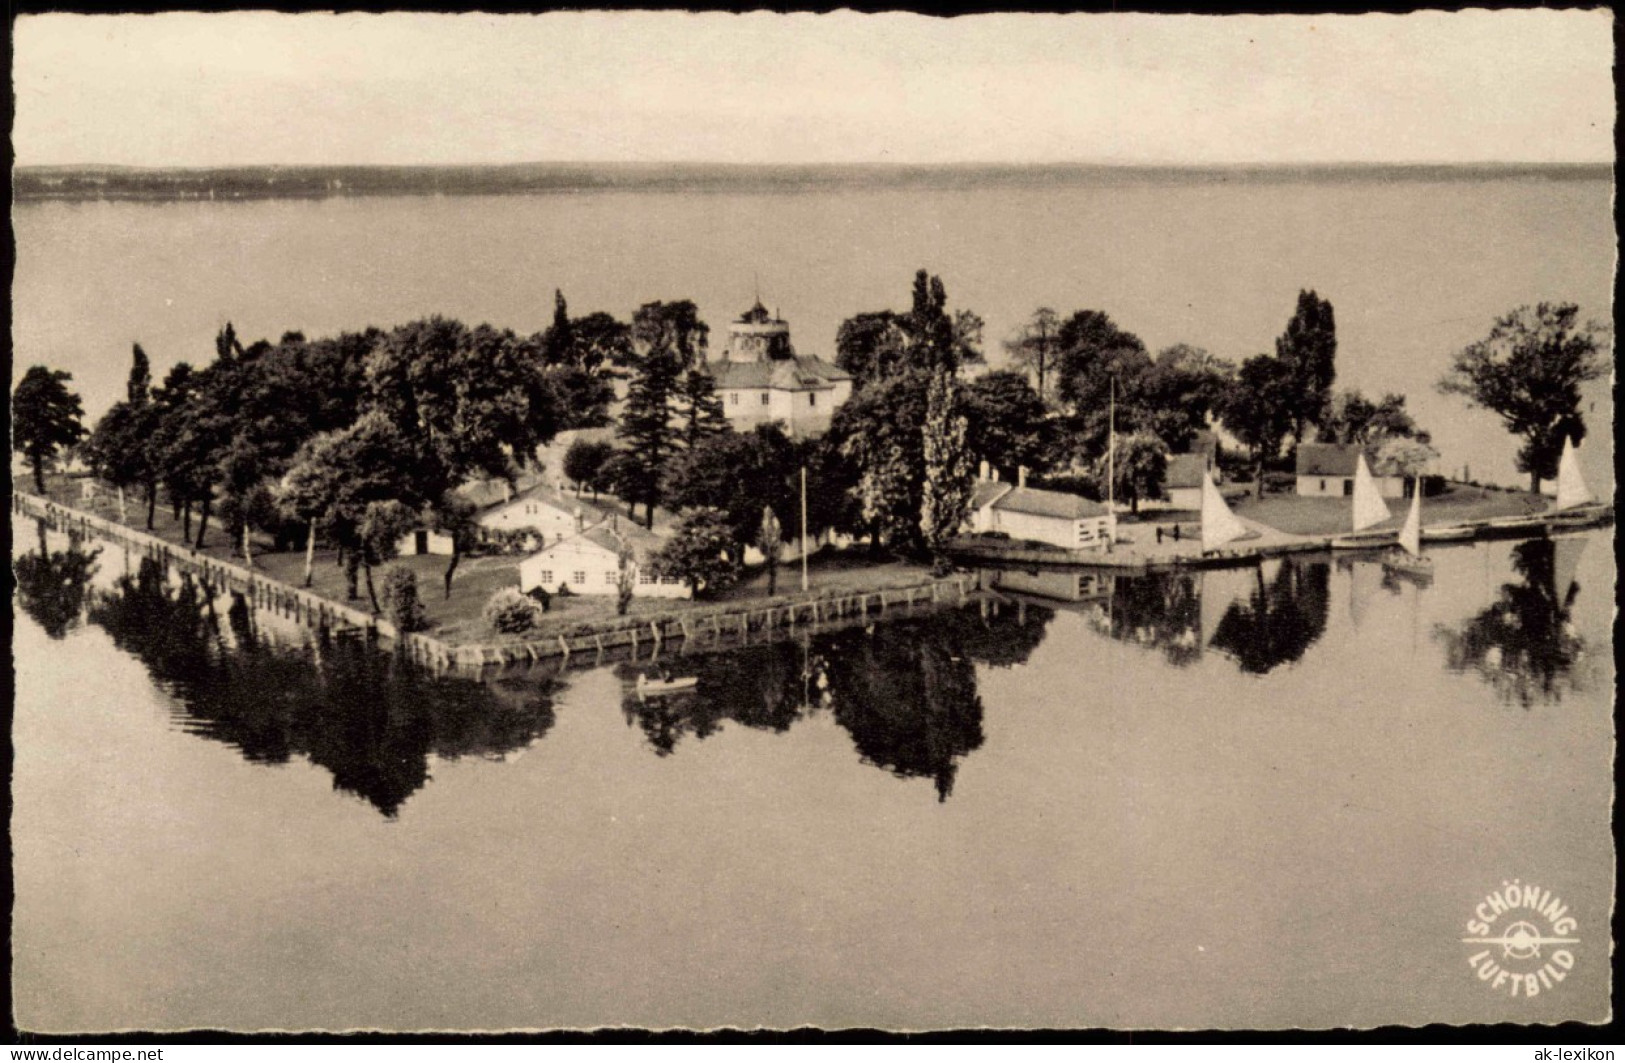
{"type": "Point", "coordinates": [699, 407]}
{"type": "Point", "coordinates": [646, 431]}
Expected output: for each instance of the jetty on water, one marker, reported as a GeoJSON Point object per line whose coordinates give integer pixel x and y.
{"type": "Point", "coordinates": [585, 643]}
{"type": "Point", "coordinates": [1225, 539]}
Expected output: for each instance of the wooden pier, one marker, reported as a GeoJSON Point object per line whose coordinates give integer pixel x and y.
{"type": "Point", "coordinates": [973, 552]}
{"type": "Point", "coordinates": [585, 643]}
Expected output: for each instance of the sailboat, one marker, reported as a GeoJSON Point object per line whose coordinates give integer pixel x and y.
{"type": "Point", "coordinates": [1407, 559]}
{"type": "Point", "coordinates": [1369, 510]}
{"type": "Point", "coordinates": [1220, 526]}
{"type": "Point", "coordinates": [1575, 504]}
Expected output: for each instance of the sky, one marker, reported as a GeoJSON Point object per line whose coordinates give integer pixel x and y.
{"type": "Point", "coordinates": [245, 88]}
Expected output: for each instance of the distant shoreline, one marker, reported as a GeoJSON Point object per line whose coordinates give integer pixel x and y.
{"type": "Point", "coordinates": [121, 183]}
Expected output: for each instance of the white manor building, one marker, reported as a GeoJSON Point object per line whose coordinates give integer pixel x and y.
{"type": "Point", "coordinates": [761, 379]}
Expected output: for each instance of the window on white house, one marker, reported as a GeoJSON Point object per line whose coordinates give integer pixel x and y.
{"type": "Point", "coordinates": [812, 398]}
{"type": "Point", "coordinates": [609, 578]}
{"type": "Point", "coordinates": [733, 398]}
{"type": "Point", "coordinates": [764, 398]}
{"type": "Point", "coordinates": [668, 580]}
{"type": "Point", "coordinates": [645, 576]}
{"type": "Point", "coordinates": [1323, 485]}
{"type": "Point", "coordinates": [578, 577]}
{"type": "Point", "coordinates": [546, 577]}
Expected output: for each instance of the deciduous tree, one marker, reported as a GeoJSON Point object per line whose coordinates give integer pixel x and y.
{"type": "Point", "coordinates": [1034, 347]}
{"type": "Point", "coordinates": [46, 419]}
{"type": "Point", "coordinates": [1528, 371]}
{"type": "Point", "coordinates": [699, 553]}
{"type": "Point", "coordinates": [1009, 425]}
{"type": "Point", "coordinates": [1258, 410]}
{"type": "Point", "coordinates": [1138, 467]}
{"type": "Point", "coordinates": [584, 463]}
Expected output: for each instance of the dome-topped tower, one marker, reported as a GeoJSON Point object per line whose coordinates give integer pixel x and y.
{"type": "Point", "coordinates": [758, 336]}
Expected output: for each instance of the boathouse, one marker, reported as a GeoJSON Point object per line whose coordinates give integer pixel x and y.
{"type": "Point", "coordinates": [1327, 470]}
{"type": "Point", "coordinates": [590, 563]}
{"type": "Point", "coordinates": [1027, 513]}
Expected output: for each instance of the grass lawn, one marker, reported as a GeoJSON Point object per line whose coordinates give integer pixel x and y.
{"type": "Point", "coordinates": [1330, 516]}
{"type": "Point", "coordinates": [829, 570]}
{"type": "Point", "coordinates": [459, 618]}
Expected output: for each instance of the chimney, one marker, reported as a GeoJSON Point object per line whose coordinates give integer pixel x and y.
{"type": "Point", "coordinates": [983, 475]}
{"type": "Point", "coordinates": [1021, 476]}
{"type": "Point", "coordinates": [507, 491]}
{"type": "Point", "coordinates": [995, 475]}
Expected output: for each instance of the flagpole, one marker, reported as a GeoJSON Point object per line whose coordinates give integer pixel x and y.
{"type": "Point", "coordinates": [1111, 467]}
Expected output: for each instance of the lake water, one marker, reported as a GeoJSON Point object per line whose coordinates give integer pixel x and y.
{"type": "Point", "coordinates": [1415, 269]}
{"type": "Point", "coordinates": [1261, 798]}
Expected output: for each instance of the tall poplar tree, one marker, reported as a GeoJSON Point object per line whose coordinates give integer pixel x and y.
{"type": "Point", "coordinates": [948, 476]}
{"type": "Point", "coordinates": [1308, 351]}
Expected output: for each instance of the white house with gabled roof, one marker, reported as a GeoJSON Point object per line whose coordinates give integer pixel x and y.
{"type": "Point", "coordinates": [590, 563]}
{"type": "Point", "coordinates": [1028, 513]}
{"type": "Point", "coordinates": [543, 512]}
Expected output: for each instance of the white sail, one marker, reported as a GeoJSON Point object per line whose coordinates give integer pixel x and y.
{"type": "Point", "coordinates": [1369, 508]}
{"type": "Point", "coordinates": [1219, 525]}
{"type": "Point", "coordinates": [1571, 486]}
{"type": "Point", "coordinates": [1566, 551]}
{"type": "Point", "coordinates": [1410, 536]}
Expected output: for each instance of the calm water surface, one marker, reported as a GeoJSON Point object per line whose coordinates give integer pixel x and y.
{"type": "Point", "coordinates": [1264, 797]}
{"type": "Point", "coordinates": [1416, 269]}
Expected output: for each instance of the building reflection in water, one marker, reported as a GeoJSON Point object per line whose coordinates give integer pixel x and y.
{"type": "Point", "coordinates": [370, 718]}
{"type": "Point", "coordinates": [904, 690]}
{"type": "Point", "coordinates": [1261, 616]}
{"type": "Point", "coordinates": [1524, 644]}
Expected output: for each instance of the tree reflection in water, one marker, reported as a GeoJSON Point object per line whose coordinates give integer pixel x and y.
{"type": "Point", "coordinates": [1279, 620]}
{"type": "Point", "coordinates": [51, 585]}
{"type": "Point", "coordinates": [369, 717]}
{"type": "Point", "coordinates": [1159, 610]}
{"type": "Point", "coordinates": [1524, 644]}
{"type": "Point", "coordinates": [904, 690]}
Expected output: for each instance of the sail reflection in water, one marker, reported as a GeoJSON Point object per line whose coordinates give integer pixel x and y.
{"type": "Point", "coordinates": [370, 718]}
{"type": "Point", "coordinates": [905, 690]}
{"type": "Point", "coordinates": [1525, 643]}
